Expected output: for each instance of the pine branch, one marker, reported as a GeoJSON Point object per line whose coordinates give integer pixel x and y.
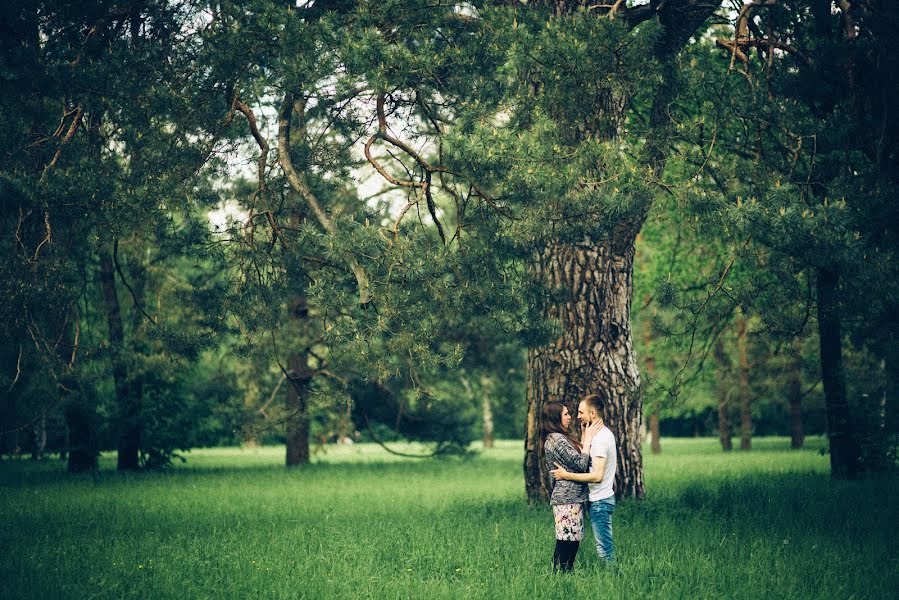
{"type": "Point", "coordinates": [288, 105]}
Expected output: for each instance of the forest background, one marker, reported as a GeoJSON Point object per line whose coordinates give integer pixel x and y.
{"type": "Point", "coordinates": [259, 222]}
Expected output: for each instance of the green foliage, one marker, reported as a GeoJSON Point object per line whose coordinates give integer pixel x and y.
{"type": "Point", "coordinates": [119, 167]}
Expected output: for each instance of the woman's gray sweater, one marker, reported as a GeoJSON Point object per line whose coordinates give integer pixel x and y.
{"type": "Point", "coordinates": [558, 449]}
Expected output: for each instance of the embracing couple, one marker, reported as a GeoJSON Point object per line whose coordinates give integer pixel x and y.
{"type": "Point", "coordinates": [583, 472]}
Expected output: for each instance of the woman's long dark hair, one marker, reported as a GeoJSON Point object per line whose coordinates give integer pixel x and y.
{"type": "Point", "coordinates": [552, 422]}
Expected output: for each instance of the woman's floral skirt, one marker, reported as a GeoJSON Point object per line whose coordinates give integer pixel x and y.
{"type": "Point", "coordinates": [569, 522]}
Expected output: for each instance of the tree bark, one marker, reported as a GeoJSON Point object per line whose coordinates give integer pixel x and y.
{"type": "Point", "coordinates": [725, 430]}
{"type": "Point", "coordinates": [128, 413]}
{"type": "Point", "coordinates": [744, 391]}
{"type": "Point", "coordinates": [844, 445]}
{"type": "Point", "coordinates": [794, 396]}
{"type": "Point", "coordinates": [593, 355]}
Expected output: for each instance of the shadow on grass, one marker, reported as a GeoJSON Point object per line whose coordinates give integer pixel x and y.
{"type": "Point", "coordinates": [24, 473]}
{"type": "Point", "coordinates": [782, 507]}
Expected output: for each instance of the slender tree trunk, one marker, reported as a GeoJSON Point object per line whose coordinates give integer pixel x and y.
{"type": "Point", "coordinates": [80, 416]}
{"type": "Point", "coordinates": [128, 417]}
{"type": "Point", "coordinates": [80, 421]}
{"type": "Point", "coordinates": [299, 376]}
{"type": "Point", "coordinates": [79, 409]}
{"type": "Point", "coordinates": [138, 279]}
{"type": "Point", "coordinates": [345, 426]}
{"type": "Point", "coordinates": [882, 399]}
{"type": "Point", "coordinates": [725, 430]}
{"type": "Point", "coordinates": [249, 435]}
{"type": "Point", "coordinates": [487, 412]}
{"type": "Point", "coordinates": [654, 435]}
{"type": "Point", "coordinates": [744, 391]}
{"type": "Point", "coordinates": [891, 387]}
{"type": "Point", "coordinates": [594, 354]}
{"type": "Point", "coordinates": [298, 381]}
{"type": "Point", "coordinates": [40, 436]}
{"type": "Point", "coordinates": [794, 396]}
{"type": "Point", "coordinates": [844, 446]}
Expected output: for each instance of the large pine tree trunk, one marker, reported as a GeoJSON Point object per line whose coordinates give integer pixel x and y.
{"type": "Point", "coordinates": [794, 396]}
{"type": "Point", "coordinates": [743, 386]}
{"type": "Point", "coordinates": [844, 446]}
{"type": "Point", "coordinates": [594, 354]}
{"type": "Point", "coordinates": [128, 415]}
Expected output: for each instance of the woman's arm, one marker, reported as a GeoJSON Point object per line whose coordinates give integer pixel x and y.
{"type": "Point", "coordinates": [568, 456]}
{"type": "Point", "coordinates": [587, 434]}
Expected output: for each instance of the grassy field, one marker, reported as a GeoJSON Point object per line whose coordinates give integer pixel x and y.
{"type": "Point", "coordinates": [359, 523]}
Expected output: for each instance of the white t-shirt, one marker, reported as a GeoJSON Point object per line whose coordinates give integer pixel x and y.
{"type": "Point", "coordinates": [603, 445]}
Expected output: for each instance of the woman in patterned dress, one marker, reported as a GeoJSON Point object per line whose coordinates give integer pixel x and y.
{"type": "Point", "coordinates": [568, 497]}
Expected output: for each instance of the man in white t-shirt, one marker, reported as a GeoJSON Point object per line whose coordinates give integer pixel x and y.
{"type": "Point", "coordinates": [601, 478]}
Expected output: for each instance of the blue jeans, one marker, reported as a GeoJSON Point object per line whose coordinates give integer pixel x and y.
{"type": "Point", "coordinates": [601, 522]}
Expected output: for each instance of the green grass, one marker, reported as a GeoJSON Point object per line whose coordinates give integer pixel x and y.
{"type": "Point", "coordinates": [359, 523]}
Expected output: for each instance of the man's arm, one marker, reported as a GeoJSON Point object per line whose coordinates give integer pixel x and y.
{"type": "Point", "coordinates": [595, 474]}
